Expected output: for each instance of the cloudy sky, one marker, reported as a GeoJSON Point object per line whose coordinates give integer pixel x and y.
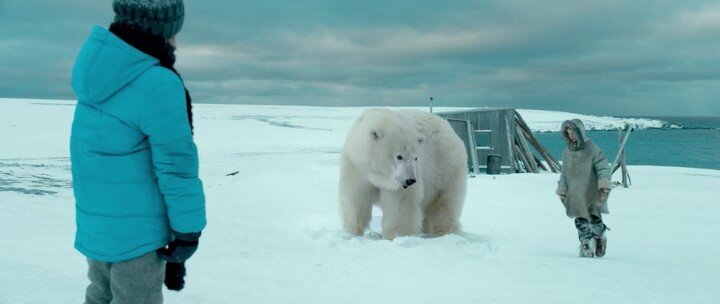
{"type": "Point", "coordinates": [599, 57]}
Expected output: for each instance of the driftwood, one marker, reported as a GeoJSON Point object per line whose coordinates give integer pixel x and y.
{"type": "Point", "coordinates": [524, 138]}
{"type": "Point", "coordinates": [525, 148]}
{"type": "Point", "coordinates": [619, 162]}
{"type": "Point", "coordinates": [627, 181]}
{"type": "Point", "coordinates": [510, 140]}
{"type": "Point", "coordinates": [522, 159]}
{"type": "Point", "coordinates": [625, 175]}
{"type": "Point", "coordinates": [621, 149]}
{"type": "Point", "coordinates": [540, 164]}
{"type": "Point", "coordinates": [552, 163]}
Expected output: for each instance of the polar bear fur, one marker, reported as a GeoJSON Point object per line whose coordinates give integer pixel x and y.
{"type": "Point", "coordinates": [371, 173]}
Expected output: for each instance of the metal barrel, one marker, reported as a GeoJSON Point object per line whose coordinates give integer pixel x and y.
{"type": "Point", "coordinates": [493, 164]}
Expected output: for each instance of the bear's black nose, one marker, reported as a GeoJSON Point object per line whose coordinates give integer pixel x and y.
{"type": "Point", "coordinates": [409, 182]}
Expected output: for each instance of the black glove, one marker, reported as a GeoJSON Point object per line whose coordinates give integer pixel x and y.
{"type": "Point", "coordinates": [175, 276]}
{"type": "Point", "coordinates": [176, 253]}
{"type": "Point", "coordinates": [181, 248]}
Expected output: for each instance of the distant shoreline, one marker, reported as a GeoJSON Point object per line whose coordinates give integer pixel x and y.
{"type": "Point", "coordinates": [538, 120]}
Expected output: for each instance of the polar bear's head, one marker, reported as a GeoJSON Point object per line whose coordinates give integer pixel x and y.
{"type": "Point", "coordinates": [396, 155]}
{"type": "Point", "coordinates": [387, 147]}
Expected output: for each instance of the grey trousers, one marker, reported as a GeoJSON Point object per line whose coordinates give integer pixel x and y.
{"type": "Point", "coordinates": [137, 281]}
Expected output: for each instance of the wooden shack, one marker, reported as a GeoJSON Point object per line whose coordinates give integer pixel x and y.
{"type": "Point", "coordinates": [485, 131]}
{"type": "Point", "coordinates": [503, 132]}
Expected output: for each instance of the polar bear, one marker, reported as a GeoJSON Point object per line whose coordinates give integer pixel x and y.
{"type": "Point", "coordinates": [409, 163]}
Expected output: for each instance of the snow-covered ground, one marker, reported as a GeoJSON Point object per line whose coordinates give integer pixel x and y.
{"type": "Point", "coordinates": [274, 234]}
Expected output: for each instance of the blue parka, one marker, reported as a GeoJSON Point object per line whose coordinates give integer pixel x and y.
{"type": "Point", "coordinates": [134, 162]}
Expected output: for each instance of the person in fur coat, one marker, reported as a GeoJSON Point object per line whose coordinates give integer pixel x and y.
{"type": "Point", "coordinates": [584, 187]}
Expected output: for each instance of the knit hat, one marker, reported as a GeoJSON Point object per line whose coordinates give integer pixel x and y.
{"type": "Point", "coordinates": [158, 17]}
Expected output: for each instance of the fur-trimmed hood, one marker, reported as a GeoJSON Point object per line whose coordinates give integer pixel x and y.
{"type": "Point", "coordinates": [579, 127]}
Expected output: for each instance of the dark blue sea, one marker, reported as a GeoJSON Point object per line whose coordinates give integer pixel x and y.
{"type": "Point", "coordinates": [696, 144]}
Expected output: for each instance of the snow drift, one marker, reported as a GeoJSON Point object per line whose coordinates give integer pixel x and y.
{"type": "Point", "coordinates": [274, 234]}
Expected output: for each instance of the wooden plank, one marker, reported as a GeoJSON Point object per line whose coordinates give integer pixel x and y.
{"type": "Point", "coordinates": [527, 133]}
{"type": "Point", "coordinates": [523, 161]}
{"type": "Point", "coordinates": [627, 174]}
{"type": "Point", "coordinates": [628, 130]}
{"type": "Point", "coordinates": [620, 160]}
{"type": "Point", "coordinates": [536, 144]}
{"type": "Point", "coordinates": [539, 163]}
{"type": "Point", "coordinates": [617, 166]}
{"type": "Point", "coordinates": [509, 134]}
{"type": "Point", "coordinates": [521, 122]}
{"type": "Point", "coordinates": [519, 164]}
{"type": "Point", "coordinates": [475, 161]}
{"type": "Point", "coordinates": [463, 129]}
{"type": "Point", "coordinates": [525, 148]}
{"type": "Point", "coordinates": [624, 171]}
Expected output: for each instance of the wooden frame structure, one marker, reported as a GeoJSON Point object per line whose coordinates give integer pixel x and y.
{"type": "Point", "coordinates": [500, 131]}
{"type": "Point", "coordinates": [619, 162]}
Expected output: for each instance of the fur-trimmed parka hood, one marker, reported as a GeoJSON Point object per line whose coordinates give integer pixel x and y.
{"type": "Point", "coordinates": [579, 128]}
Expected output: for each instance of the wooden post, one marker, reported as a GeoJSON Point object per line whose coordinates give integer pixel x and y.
{"type": "Point", "coordinates": [540, 164]}
{"type": "Point", "coordinates": [616, 166]}
{"type": "Point", "coordinates": [519, 166]}
{"type": "Point", "coordinates": [624, 171]}
{"type": "Point", "coordinates": [511, 151]}
{"type": "Point", "coordinates": [527, 133]}
{"type": "Point", "coordinates": [523, 158]}
{"type": "Point", "coordinates": [616, 162]}
{"type": "Point", "coordinates": [518, 162]}
{"type": "Point", "coordinates": [526, 149]}
{"type": "Point", "coordinates": [473, 145]}
{"type": "Point", "coordinates": [536, 144]}
{"type": "Point", "coordinates": [620, 161]}
{"type": "Point", "coordinates": [627, 175]}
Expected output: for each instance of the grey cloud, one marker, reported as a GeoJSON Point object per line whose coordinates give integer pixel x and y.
{"type": "Point", "coordinates": [602, 57]}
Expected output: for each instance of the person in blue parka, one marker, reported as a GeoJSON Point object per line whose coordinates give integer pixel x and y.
{"type": "Point", "coordinates": [139, 201]}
